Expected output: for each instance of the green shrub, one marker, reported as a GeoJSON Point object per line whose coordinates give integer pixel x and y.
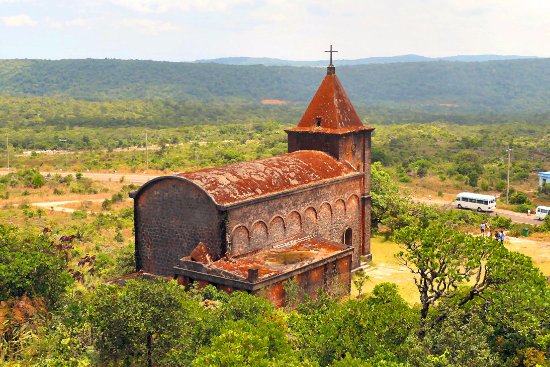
{"type": "Point", "coordinates": [523, 208]}
{"type": "Point", "coordinates": [519, 197]}
{"type": "Point", "coordinates": [80, 214]}
{"type": "Point", "coordinates": [500, 186]}
{"type": "Point", "coordinates": [499, 221]}
{"type": "Point", "coordinates": [405, 179]}
{"type": "Point", "coordinates": [106, 204]}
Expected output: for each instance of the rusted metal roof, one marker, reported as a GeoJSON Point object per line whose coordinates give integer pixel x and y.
{"type": "Point", "coordinates": [248, 180]}
{"type": "Point", "coordinates": [280, 259]}
{"type": "Point", "coordinates": [330, 110]}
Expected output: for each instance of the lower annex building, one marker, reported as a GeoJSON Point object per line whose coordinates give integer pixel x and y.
{"type": "Point", "coordinates": [253, 226]}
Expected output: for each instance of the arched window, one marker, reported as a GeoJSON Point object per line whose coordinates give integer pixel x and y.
{"type": "Point", "coordinates": [347, 238]}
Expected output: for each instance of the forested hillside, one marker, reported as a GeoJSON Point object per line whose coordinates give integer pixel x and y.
{"type": "Point", "coordinates": [494, 86]}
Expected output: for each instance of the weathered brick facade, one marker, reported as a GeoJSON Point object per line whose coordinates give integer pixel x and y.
{"type": "Point", "coordinates": [171, 217]}
{"type": "Point", "coordinates": [302, 216]}
{"type": "Point", "coordinates": [326, 211]}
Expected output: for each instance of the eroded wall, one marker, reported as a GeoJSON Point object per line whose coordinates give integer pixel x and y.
{"type": "Point", "coordinates": [171, 217]}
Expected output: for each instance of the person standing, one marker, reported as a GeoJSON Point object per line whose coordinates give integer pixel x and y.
{"type": "Point", "coordinates": [482, 227]}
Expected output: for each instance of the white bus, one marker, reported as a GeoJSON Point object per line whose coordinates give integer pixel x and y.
{"type": "Point", "coordinates": [542, 212]}
{"type": "Point", "coordinates": [479, 202]}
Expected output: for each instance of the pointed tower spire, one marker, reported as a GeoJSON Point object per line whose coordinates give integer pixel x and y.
{"type": "Point", "coordinates": [330, 110]}
{"type": "Point", "coordinates": [331, 69]}
{"type": "Point", "coordinates": [331, 125]}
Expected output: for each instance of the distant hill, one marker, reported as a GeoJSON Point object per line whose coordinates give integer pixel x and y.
{"type": "Point", "coordinates": [492, 86]}
{"type": "Point", "coordinates": [369, 60]}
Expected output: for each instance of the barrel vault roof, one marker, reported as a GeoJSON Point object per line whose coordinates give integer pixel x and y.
{"type": "Point", "coordinates": [263, 177]}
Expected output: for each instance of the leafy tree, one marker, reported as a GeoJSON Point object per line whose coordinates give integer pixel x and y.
{"type": "Point", "coordinates": [462, 339]}
{"type": "Point", "coordinates": [517, 309]}
{"type": "Point", "coordinates": [30, 264]}
{"type": "Point", "coordinates": [388, 202]}
{"type": "Point", "coordinates": [144, 320]}
{"type": "Point", "coordinates": [443, 259]}
{"type": "Point", "coordinates": [371, 328]}
{"type": "Point", "coordinates": [422, 166]}
{"type": "Point", "coordinates": [242, 343]}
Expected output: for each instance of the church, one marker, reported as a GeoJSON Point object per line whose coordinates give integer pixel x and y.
{"type": "Point", "coordinates": [300, 219]}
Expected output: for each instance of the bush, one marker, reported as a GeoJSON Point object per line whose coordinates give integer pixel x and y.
{"type": "Point", "coordinates": [106, 204]}
{"type": "Point", "coordinates": [517, 229]}
{"type": "Point", "coordinates": [500, 186]}
{"type": "Point", "coordinates": [30, 265]}
{"type": "Point", "coordinates": [499, 221]}
{"type": "Point", "coordinates": [79, 214]}
{"type": "Point", "coordinates": [523, 208]}
{"type": "Point", "coordinates": [405, 179]}
{"type": "Point", "coordinates": [519, 197]}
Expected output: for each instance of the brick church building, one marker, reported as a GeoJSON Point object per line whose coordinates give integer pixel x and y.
{"type": "Point", "coordinates": [303, 216]}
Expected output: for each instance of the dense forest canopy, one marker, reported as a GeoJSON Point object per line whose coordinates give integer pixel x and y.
{"type": "Point", "coordinates": [493, 86]}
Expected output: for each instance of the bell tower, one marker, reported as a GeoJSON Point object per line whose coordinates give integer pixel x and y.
{"type": "Point", "coordinates": [331, 124]}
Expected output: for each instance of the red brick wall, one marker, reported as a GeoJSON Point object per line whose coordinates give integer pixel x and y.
{"type": "Point", "coordinates": [334, 278]}
{"type": "Point", "coordinates": [345, 147]}
{"type": "Point", "coordinates": [326, 211]}
{"type": "Point", "coordinates": [171, 218]}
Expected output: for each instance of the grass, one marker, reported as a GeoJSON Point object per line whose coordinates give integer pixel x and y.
{"type": "Point", "coordinates": [538, 251]}
{"type": "Point", "coordinates": [386, 267]}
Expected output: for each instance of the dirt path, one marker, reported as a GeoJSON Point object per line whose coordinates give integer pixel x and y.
{"type": "Point", "coordinates": [58, 206]}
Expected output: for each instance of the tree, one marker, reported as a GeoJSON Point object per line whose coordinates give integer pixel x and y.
{"type": "Point", "coordinates": [371, 328]}
{"type": "Point", "coordinates": [443, 259]}
{"type": "Point", "coordinates": [461, 339]}
{"type": "Point", "coordinates": [388, 202]}
{"type": "Point", "coordinates": [144, 320]}
{"type": "Point", "coordinates": [30, 264]}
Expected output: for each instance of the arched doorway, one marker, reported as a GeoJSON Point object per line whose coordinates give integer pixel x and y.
{"type": "Point", "coordinates": [347, 238]}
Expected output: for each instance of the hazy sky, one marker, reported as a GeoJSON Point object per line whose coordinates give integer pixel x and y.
{"type": "Point", "coordinates": [185, 30]}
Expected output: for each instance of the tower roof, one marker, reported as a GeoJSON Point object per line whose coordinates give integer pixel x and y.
{"type": "Point", "coordinates": [330, 110]}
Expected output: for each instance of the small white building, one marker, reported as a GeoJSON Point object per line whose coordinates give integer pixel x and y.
{"type": "Point", "coordinates": [544, 178]}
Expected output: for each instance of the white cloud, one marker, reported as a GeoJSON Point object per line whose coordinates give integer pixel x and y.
{"type": "Point", "coordinates": [163, 6]}
{"type": "Point", "coordinates": [22, 20]}
{"type": "Point", "coordinates": [72, 23]}
{"type": "Point", "coordinates": [149, 26]}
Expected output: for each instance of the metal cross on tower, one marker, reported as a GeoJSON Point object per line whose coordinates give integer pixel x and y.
{"type": "Point", "coordinates": [331, 52]}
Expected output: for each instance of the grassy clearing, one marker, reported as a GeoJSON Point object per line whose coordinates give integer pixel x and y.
{"type": "Point", "coordinates": [536, 250]}
{"type": "Point", "coordinates": [386, 268]}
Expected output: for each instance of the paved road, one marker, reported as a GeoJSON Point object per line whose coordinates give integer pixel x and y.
{"type": "Point", "coordinates": [516, 217]}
